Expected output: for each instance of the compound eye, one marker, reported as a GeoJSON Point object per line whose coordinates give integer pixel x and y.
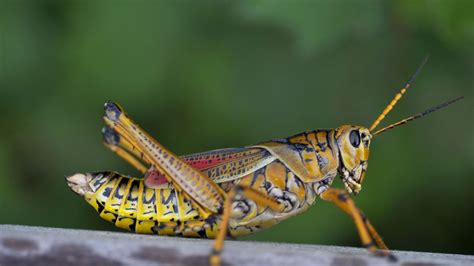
{"type": "Point", "coordinates": [354, 137]}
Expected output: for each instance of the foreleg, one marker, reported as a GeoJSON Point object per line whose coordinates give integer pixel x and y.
{"type": "Point", "coordinates": [368, 235]}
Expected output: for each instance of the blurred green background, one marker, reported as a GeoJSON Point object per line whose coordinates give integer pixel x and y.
{"type": "Point", "coordinates": [216, 74]}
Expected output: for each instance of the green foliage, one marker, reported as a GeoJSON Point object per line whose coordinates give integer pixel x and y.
{"type": "Point", "coordinates": [201, 76]}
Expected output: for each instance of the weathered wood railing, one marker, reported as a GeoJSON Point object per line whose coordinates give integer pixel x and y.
{"type": "Point", "coordinates": [25, 245]}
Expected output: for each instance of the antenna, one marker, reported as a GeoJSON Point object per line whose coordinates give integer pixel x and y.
{"type": "Point", "coordinates": [398, 96]}
{"type": "Point", "coordinates": [411, 118]}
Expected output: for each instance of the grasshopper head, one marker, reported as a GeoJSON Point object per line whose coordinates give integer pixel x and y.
{"type": "Point", "coordinates": [353, 144]}
{"type": "Point", "coordinates": [353, 141]}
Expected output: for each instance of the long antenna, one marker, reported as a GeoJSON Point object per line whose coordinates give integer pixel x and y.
{"type": "Point", "coordinates": [411, 118]}
{"type": "Point", "coordinates": [398, 96]}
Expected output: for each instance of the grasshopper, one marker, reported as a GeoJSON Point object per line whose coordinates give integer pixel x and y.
{"type": "Point", "coordinates": [235, 191]}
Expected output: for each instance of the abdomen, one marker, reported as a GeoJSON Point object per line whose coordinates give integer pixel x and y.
{"type": "Point", "coordinates": [129, 204]}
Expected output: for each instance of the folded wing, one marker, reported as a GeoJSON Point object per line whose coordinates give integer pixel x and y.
{"type": "Point", "coordinates": [229, 164]}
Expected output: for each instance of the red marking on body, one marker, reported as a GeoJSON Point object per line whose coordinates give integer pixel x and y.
{"type": "Point", "coordinates": [208, 161]}
{"type": "Point", "coordinates": [154, 178]}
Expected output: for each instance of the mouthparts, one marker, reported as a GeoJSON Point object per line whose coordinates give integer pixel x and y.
{"type": "Point", "coordinates": [352, 179]}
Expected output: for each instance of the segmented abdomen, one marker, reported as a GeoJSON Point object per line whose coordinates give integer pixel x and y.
{"type": "Point", "coordinates": [129, 204]}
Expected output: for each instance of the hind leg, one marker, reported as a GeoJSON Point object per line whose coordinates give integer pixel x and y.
{"type": "Point", "coordinates": [124, 149]}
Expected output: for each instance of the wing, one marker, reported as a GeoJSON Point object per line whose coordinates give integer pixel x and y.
{"type": "Point", "coordinates": [220, 165]}
{"type": "Point", "coordinates": [229, 164]}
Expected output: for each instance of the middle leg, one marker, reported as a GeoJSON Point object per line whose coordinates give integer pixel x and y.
{"type": "Point", "coordinates": [249, 193]}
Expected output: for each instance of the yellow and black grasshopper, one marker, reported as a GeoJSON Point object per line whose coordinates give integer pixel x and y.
{"type": "Point", "coordinates": [235, 191]}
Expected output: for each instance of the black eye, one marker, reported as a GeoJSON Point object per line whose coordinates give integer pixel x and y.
{"type": "Point", "coordinates": [354, 137]}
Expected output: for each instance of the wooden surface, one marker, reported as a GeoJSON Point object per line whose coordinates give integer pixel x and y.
{"type": "Point", "coordinates": [26, 245]}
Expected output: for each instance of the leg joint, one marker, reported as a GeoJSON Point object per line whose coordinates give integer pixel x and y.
{"type": "Point", "coordinates": [343, 196]}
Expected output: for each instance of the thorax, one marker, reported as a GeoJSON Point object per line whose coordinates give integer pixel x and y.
{"type": "Point", "coordinates": [277, 181]}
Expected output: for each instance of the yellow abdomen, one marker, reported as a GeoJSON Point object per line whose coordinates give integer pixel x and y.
{"type": "Point", "coordinates": [129, 204]}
